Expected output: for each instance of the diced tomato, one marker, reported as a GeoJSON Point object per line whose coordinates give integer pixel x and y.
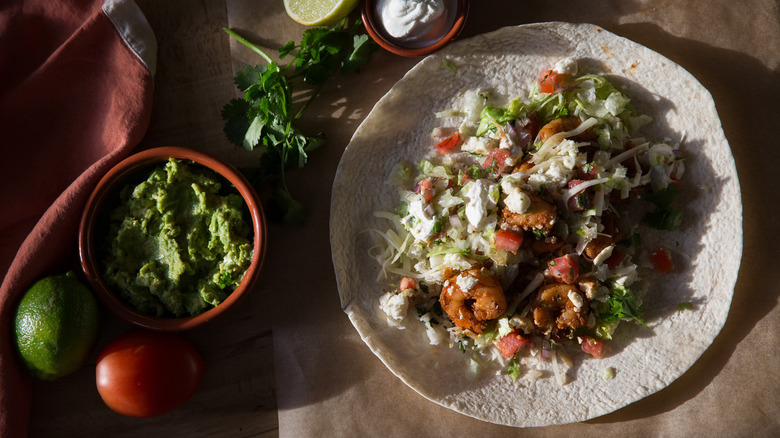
{"type": "Point", "coordinates": [448, 144]}
{"type": "Point", "coordinates": [564, 268]}
{"type": "Point", "coordinates": [587, 172]}
{"type": "Point", "coordinates": [592, 346]}
{"type": "Point", "coordinates": [580, 201]}
{"type": "Point", "coordinates": [495, 160]}
{"type": "Point", "coordinates": [407, 283]}
{"type": "Point", "coordinates": [661, 260]}
{"type": "Point", "coordinates": [508, 240]}
{"type": "Point", "coordinates": [547, 81]}
{"type": "Point", "coordinates": [614, 259]}
{"type": "Point", "coordinates": [510, 344]}
{"type": "Point", "coordinates": [427, 190]}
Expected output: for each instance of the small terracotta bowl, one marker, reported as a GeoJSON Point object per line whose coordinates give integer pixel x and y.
{"type": "Point", "coordinates": [93, 225]}
{"type": "Point", "coordinates": [375, 28]}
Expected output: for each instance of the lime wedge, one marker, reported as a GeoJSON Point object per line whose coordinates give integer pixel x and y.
{"type": "Point", "coordinates": [319, 12]}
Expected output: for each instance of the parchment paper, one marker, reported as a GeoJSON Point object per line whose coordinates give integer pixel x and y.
{"type": "Point", "coordinates": [329, 383]}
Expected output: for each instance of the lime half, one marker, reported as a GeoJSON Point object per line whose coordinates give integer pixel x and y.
{"type": "Point", "coordinates": [319, 12]}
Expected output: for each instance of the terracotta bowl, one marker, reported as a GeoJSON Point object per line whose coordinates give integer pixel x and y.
{"type": "Point", "coordinates": [376, 30]}
{"type": "Point", "coordinates": [93, 226]}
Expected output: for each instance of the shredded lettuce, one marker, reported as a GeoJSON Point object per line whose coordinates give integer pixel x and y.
{"type": "Point", "coordinates": [491, 115]}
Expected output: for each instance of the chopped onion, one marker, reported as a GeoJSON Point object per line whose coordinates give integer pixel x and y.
{"type": "Point", "coordinates": [455, 221]}
{"type": "Point", "coordinates": [581, 187]}
{"type": "Point", "coordinates": [545, 350]}
{"type": "Point", "coordinates": [627, 154]}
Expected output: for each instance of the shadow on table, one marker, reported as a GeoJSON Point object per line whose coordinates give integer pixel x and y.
{"type": "Point", "coordinates": [740, 86]}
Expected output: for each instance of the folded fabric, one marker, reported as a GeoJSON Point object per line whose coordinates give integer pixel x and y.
{"type": "Point", "coordinates": [75, 98]}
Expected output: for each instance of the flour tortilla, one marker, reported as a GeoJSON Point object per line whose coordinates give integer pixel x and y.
{"type": "Point", "coordinates": [706, 248]}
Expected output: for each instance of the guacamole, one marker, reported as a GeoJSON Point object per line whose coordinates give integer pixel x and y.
{"type": "Point", "coordinates": [178, 243]}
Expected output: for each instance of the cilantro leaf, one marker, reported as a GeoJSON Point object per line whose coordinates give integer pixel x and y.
{"type": "Point", "coordinates": [684, 306]}
{"type": "Point", "coordinates": [236, 122]}
{"type": "Point", "coordinates": [665, 217]}
{"type": "Point", "coordinates": [294, 211]}
{"type": "Point", "coordinates": [621, 304]}
{"type": "Point", "coordinates": [265, 116]}
{"type": "Point", "coordinates": [248, 76]}
{"type": "Point", "coordinates": [663, 198]}
{"type": "Point", "coordinates": [363, 47]}
{"type": "Point", "coordinates": [225, 279]}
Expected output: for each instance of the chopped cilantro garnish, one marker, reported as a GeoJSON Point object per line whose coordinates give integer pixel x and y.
{"type": "Point", "coordinates": [665, 217]}
{"type": "Point", "coordinates": [621, 304]}
{"type": "Point", "coordinates": [514, 368]}
{"type": "Point", "coordinates": [225, 280]}
{"type": "Point", "coordinates": [476, 172]}
{"type": "Point", "coordinates": [684, 306]}
{"type": "Point", "coordinates": [452, 67]}
{"type": "Point", "coordinates": [588, 168]}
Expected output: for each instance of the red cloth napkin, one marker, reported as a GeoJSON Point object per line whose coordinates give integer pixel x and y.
{"type": "Point", "coordinates": [75, 98]}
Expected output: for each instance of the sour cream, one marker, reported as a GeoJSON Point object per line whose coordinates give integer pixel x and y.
{"type": "Point", "coordinates": [476, 206]}
{"type": "Point", "coordinates": [416, 23]}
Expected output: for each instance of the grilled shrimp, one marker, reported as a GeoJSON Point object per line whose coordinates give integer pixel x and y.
{"type": "Point", "coordinates": [559, 307]}
{"type": "Point", "coordinates": [563, 124]}
{"type": "Point", "coordinates": [611, 235]}
{"type": "Point", "coordinates": [472, 298]}
{"type": "Point", "coordinates": [540, 216]}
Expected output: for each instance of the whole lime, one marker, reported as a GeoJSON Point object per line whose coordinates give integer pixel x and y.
{"type": "Point", "coordinates": [56, 326]}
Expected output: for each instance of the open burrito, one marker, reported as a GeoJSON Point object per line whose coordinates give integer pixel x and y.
{"type": "Point", "coordinates": [539, 225]}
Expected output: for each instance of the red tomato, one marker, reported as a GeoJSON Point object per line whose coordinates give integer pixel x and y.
{"type": "Point", "coordinates": [144, 373]}
{"type": "Point", "coordinates": [508, 240]}
{"type": "Point", "coordinates": [427, 190]}
{"type": "Point", "coordinates": [495, 160]}
{"type": "Point", "coordinates": [407, 283]}
{"type": "Point", "coordinates": [547, 81]}
{"type": "Point", "coordinates": [614, 259]}
{"type": "Point", "coordinates": [581, 200]}
{"type": "Point", "coordinates": [564, 268]}
{"type": "Point", "coordinates": [512, 343]}
{"type": "Point", "coordinates": [449, 143]}
{"type": "Point", "coordinates": [592, 346]}
{"type": "Point", "coordinates": [661, 260]}
{"type": "Point", "coordinates": [587, 172]}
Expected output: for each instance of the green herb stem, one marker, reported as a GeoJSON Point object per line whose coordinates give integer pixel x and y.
{"type": "Point", "coordinates": [247, 43]}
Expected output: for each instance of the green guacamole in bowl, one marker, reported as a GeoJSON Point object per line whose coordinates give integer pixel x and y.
{"type": "Point", "coordinates": [178, 242]}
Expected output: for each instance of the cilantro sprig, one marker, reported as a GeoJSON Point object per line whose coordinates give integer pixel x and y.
{"type": "Point", "coordinates": [621, 304]}
{"type": "Point", "coordinates": [266, 115]}
{"type": "Point", "coordinates": [665, 217]}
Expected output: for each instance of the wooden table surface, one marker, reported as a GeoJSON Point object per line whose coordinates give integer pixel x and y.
{"type": "Point", "coordinates": [236, 398]}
